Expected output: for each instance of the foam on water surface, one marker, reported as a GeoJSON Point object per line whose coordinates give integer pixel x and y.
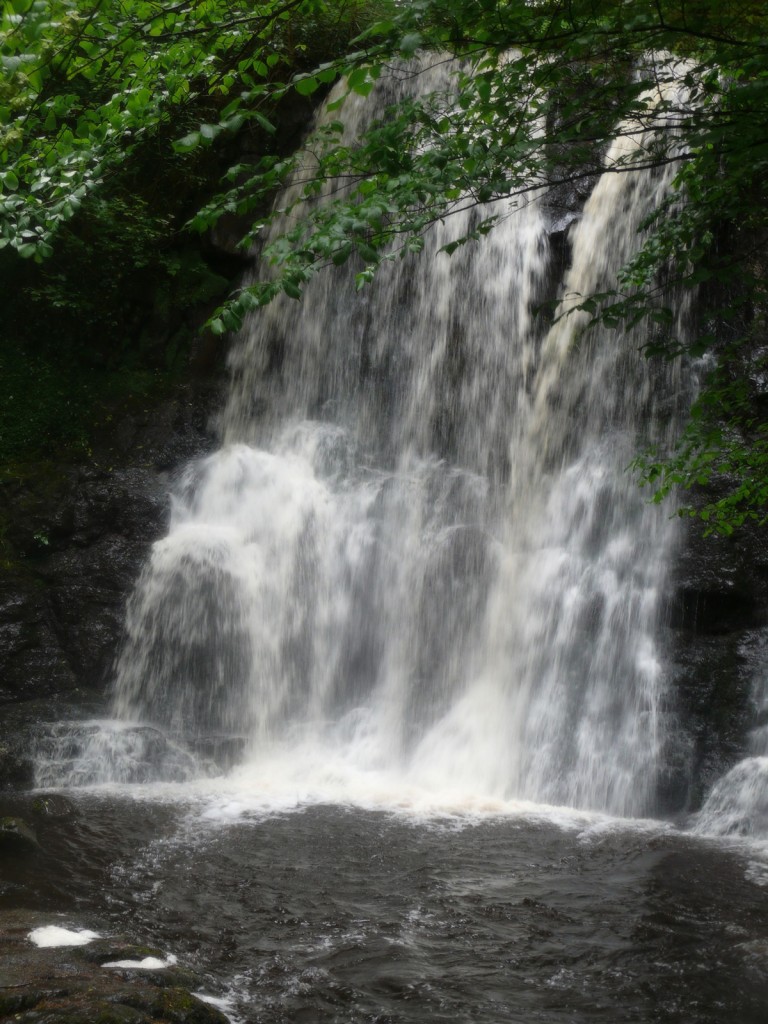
{"type": "Point", "coordinates": [148, 963]}
{"type": "Point", "coordinates": [51, 935]}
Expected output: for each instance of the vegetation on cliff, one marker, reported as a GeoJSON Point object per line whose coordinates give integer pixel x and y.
{"type": "Point", "coordinates": [105, 287]}
{"type": "Point", "coordinates": [134, 114]}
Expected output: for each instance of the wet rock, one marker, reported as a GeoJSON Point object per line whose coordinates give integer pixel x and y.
{"type": "Point", "coordinates": [180, 1007]}
{"type": "Point", "coordinates": [43, 810]}
{"type": "Point", "coordinates": [756, 957]}
{"type": "Point", "coordinates": [20, 726]}
{"type": "Point", "coordinates": [37, 506]}
{"type": "Point", "coordinates": [16, 768]}
{"type": "Point", "coordinates": [33, 663]}
{"type": "Point", "coordinates": [15, 1002]}
{"type": "Point", "coordinates": [173, 977]}
{"type": "Point", "coordinates": [75, 537]}
{"type": "Point", "coordinates": [716, 640]}
{"type": "Point", "coordinates": [103, 951]}
{"type": "Point", "coordinates": [710, 681]}
{"type": "Point", "coordinates": [86, 594]}
{"type": "Point", "coordinates": [89, 1010]}
{"type": "Point", "coordinates": [16, 837]}
{"type": "Point", "coordinates": [84, 753]}
{"type": "Point", "coordinates": [168, 976]}
{"type": "Point", "coordinates": [70, 985]}
{"type": "Point", "coordinates": [220, 752]}
{"type": "Point", "coordinates": [738, 803]}
{"type": "Point", "coordinates": [720, 583]}
{"type": "Point", "coordinates": [119, 1014]}
{"type": "Point", "coordinates": [53, 807]}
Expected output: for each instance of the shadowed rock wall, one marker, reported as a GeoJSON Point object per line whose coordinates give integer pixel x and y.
{"type": "Point", "coordinates": [77, 536]}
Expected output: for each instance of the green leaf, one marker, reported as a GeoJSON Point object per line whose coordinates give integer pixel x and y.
{"type": "Point", "coordinates": [336, 104]}
{"type": "Point", "coordinates": [188, 143]}
{"type": "Point", "coordinates": [369, 254]}
{"type": "Point", "coordinates": [306, 86]}
{"type": "Point", "coordinates": [264, 122]}
{"type": "Point", "coordinates": [340, 255]}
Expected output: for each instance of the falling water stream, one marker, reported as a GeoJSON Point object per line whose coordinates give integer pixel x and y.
{"type": "Point", "coordinates": [419, 552]}
{"type": "Point", "coordinates": [412, 605]}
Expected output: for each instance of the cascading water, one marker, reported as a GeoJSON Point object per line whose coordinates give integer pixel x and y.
{"type": "Point", "coordinates": [418, 555]}
{"type": "Point", "coordinates": [738, 802]}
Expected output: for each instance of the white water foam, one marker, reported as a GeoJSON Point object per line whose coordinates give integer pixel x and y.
{"type": "Point", "coordinates": [278, 785]}
{"type": "Point", "coordinates": [738, 803]}
{"type": "Point", "coordinates": [148, 963]}
{"type": "Point", "coordinates": [225, 1004]}
{"type": "Point", "coordinates": [51, 935]}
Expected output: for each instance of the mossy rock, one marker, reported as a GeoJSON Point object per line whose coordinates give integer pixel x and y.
{"type": "Point", "coordinates": [178, 1006]}
{"type": "Point", "coordinates": [53, 807]}
{"type": "Point", "coordinates": [16, 769]}
{"type": "Point", "coordinates": [181, 1007]}
{"type": "Point", "coordinates": [107, 950]}
{"type": "Point", "coordinates": [87, 1012]}
{"type": "Point", "coordinates": [16, 837]}
{"type": "Point", "coordinates": [17, 1002]}
{"type": "Point", "coordinates": [119, 1013]}
{"type": "Point", "coordinates": [172, 976]}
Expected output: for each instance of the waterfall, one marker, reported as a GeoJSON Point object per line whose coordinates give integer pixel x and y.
{"type": "Point", "coordinates": [418, 553]}
{"type": "Point", "coordinates": [738, 802]}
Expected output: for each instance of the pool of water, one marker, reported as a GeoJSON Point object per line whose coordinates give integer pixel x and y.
{"type": "Point", "coordinates": [330, 913]}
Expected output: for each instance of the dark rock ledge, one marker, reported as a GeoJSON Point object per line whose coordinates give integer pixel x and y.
{"type": "Point", "coordinates": [73, 539]}
{"type": "Point", "coordinates": [69, 985]}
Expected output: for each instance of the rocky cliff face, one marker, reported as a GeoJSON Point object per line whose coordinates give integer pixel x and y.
{"type": "Point", "coordinates": [77, 536]}
{"type": "Point", "coordinates": [717, 632]}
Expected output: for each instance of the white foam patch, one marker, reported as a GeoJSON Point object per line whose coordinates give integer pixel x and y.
{"type": "Point", "coordinates": [149, 963]}
{"type": "Point", "coordinates": [607, 827]}
{"type": "Point", "coordinates": [222, 1004]}
{"type": "Point", "coordinates": [289, 781]}
{"type": "Point", "coordinates": [53, 935]}
{"type": "Point", "coordinates": [295, 777]}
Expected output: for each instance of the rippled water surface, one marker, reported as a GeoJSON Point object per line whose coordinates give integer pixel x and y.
{"type": "Point", "coordinates": [333, 914]}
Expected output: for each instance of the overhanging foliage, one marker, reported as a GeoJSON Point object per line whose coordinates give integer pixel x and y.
{"type": "Point", "coordinates": [540, 90]}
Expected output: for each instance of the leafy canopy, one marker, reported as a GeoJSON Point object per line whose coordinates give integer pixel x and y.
{"type": "Point", "coordinates": [539, 90]}
{"type": "Point", "coordinates": [84, 84]}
